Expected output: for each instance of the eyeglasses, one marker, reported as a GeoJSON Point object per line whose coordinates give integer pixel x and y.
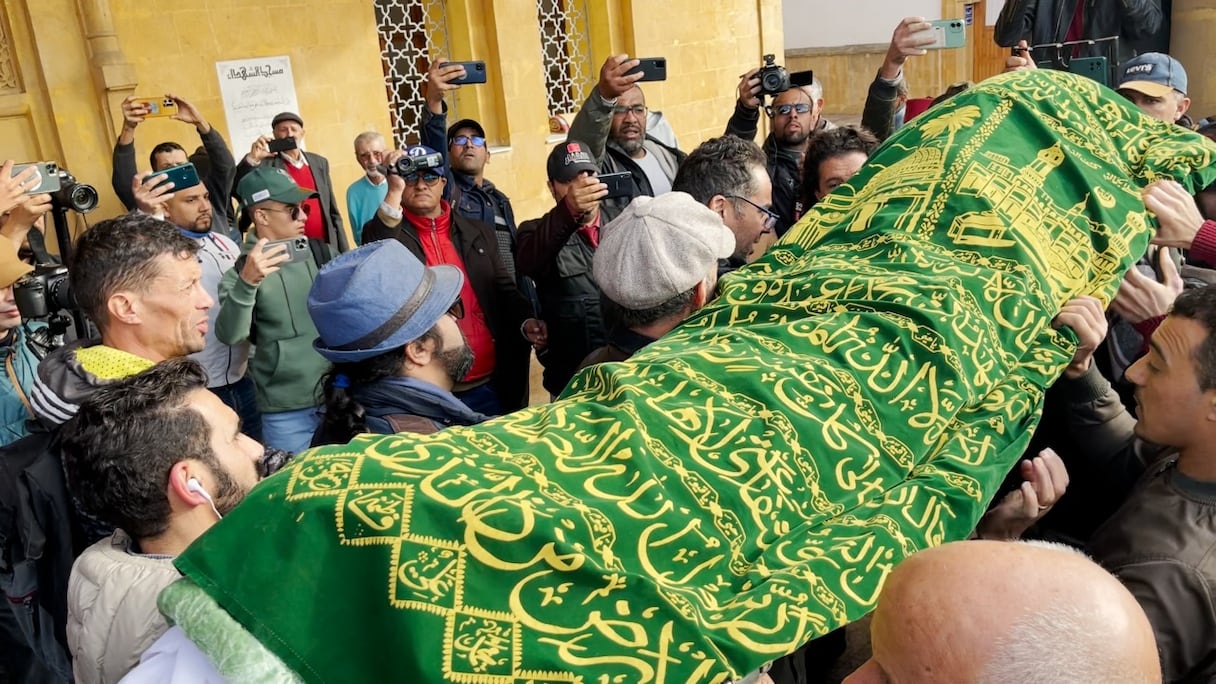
{"type": "Point", "coordinates": [785, 109]}
{"type": "Point", "coordinates": [293, 210]}
{"type": "Point", "coordinates": [457, 309]}
{"type": "Point", "coordinates": [467, 140]}
{"type": "Point", "coordinates": [770, 217]}
{"type": "Point", "coordinates": [638, 109]}
{"type": "Point", "coordinates": [428, 177]}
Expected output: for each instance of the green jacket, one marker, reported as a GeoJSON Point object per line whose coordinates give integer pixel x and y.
{"type": "Point", "coordinates": [274, 317]}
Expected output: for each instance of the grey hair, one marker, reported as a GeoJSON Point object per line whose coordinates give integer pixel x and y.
{"type": "Point", "coordinates": [814, 90]}
{"type": "Point", "coordinates": [368, 136]}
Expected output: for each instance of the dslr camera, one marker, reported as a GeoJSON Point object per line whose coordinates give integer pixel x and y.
{"type": "Point", "coordinates": [44, 291]}
{"type": "Point", "coordinates": [774, 79]}
{"type": "Point", "coordinates": [407, 164]}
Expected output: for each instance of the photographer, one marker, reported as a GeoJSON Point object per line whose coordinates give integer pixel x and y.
{"type": "Point", "coordinates": [556, 250]}
{"type": "Point", "coordinates": [794, 116]}
{"type": "Point", "coordinates": [285, 151]}
{"type": "Point", "coordinates": [497, 317]}
{"type": "Point", "coordinates": [263, 300]}
{"type": "Point", "coordinates": [888, 94]}
{"type": "Point", "coordinates": [222, 169]}
{"type": "Point", "coordinates": [612, 123]}
{"type": "Point", "coordinates": [466, 152]}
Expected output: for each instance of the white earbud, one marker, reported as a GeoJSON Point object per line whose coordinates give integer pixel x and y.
{"type": "Point", "coordinates": [193, 485]}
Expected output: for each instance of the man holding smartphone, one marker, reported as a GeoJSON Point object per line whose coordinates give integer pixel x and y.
{"type": "Point", "coordinates": [612, 122]}
{"type": "Point", "coordinates": [466, 151]}
{"type": "Point", "coordinates": [556, 251]}
{"type": "Point", "coordinates": [285, 150]}
{"type": "Point", "coordinates": [264, 300]}
{"type": "Point", "coordinates": [221, 173]}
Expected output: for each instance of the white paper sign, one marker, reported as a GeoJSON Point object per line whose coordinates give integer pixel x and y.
{"type": "Point", "coordinates": [254, 90]}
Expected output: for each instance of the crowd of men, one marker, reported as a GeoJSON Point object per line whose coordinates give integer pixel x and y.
{"type": "Point", "coordinates": [236, 325]}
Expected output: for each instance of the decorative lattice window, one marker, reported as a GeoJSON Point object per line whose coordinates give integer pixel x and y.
{"type": "Point", "coordinates": [410, 32]}
{"type": "Point", "coordinates": [565, 47]}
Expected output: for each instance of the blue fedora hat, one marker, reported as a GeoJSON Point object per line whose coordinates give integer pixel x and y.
{"type": "Point", "coordinates": [377, 298]}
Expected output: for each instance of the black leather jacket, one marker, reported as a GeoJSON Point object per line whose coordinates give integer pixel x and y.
{"type": "Point", "coordinates": [1142, 25]}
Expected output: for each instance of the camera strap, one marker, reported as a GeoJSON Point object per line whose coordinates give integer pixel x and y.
{"type": "Point", "coordinates": [12, 376]}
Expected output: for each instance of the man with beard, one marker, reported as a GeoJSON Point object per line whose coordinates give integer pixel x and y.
{"type": "Point", "coordinates": [190, 210]}
{"type": "Point", "coordinates": [498, 321]}
{"type": "Point", "coordinates": [794, 116]}
{"type": "Point", "coordinates": [221, 167]}
{"type": "Point", "coordinates": [389, 325]}
{"type": "Point", "coordinates": [612, 123]}
{"type": "Point", "coordinates": [727, 175]}
{"type": "Point", "coordinates": [162, 459]}
{"type": "Point", "coordinates": [365, 194]}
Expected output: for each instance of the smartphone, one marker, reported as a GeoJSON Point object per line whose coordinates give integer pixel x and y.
{"type": "Point", "coordinates": [474, 73]}
{"type": "Point", "coordinates": [282, 144]}
{"type": "Point", "coordinates": [1096, 68]}
{"type": "Point", "coordinates": [297, 248]}
{"type": "Point", "coordinates": [651, 68]}
{"type": "Point", "coordinates": [158, 106]}
{"type": "Point", "coordinates": [182, 176]}
{"type": "Point", "coordinates": [48, 176]}
{"type": "Point", "coordinates": [801, 79]}
{"type": "Point", "coordinates": [619, 184]}
{"type": "Point", "coordinates": [947, 34]}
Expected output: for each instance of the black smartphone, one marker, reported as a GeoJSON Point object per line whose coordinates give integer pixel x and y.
{"type": "Point", "coordinates": [619, 184]}
{"type": "Point", "coordinates": [182, 176]}
{"type": "Point", "coordinates": [282, 144]}
{"type": "Point", "coordinates": [801, 79]}
{"type": "Point", "coordinates": [651, 68]}
{"type": "Point", "coordinates": [474, 73]}
{"type": "Point", "coordinates": [48, 176]}
{"type": "Point", "coordinates": [297, 248]}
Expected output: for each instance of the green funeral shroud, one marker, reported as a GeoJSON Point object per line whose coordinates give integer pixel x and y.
{"type": "Point", "coordinates": [747, 482]}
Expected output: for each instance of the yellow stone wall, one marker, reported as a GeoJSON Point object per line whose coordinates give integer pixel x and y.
{"type": "Point", "coordinates": [76, 60]}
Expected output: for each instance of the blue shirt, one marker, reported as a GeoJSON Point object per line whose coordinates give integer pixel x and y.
{"type": "Point", "coordinates": [362, 200]}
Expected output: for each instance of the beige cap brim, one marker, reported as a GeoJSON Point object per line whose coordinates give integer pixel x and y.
{"type": "Point", "coordinates": [1147, 87]}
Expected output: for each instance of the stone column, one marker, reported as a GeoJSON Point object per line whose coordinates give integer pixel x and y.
{"type": "Point", "coordinates": [1194, 24]}
{"type": "Point", "coordinates": [112, 74]}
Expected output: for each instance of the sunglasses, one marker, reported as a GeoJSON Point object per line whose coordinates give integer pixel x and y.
{"type": "Point", "coordinates": [785, 109]}
{"type": "Point", "coordinates": [295, 211]}
{"type": "Point", "coordinates": [427, 177]}
{"type": "Point", "coordinates": [467, 140]}
{"type": "Point", "coordinates": [457, 309]}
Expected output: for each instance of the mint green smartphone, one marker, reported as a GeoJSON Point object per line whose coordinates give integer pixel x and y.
{"type": "Point", "coordinates": [948, 34]}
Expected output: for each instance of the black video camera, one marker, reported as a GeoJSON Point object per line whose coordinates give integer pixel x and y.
{"type": "Point", "coordinates": [774, 79]}
{"type": "Point", "coordinates": [44, 291]}
{"type": "Point", "coordinates": [407, 164]}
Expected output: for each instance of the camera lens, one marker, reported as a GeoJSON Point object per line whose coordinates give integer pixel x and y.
{"type": "Point", "coordinates": [83, 198]}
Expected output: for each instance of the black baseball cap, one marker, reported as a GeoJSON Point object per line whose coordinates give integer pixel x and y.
{"type": "Point", "coordinates": [463, 123]}
{"type": "Point", "coordinates": [567, 160]}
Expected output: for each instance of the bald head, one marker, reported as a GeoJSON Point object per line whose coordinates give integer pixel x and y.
{"type": "Point", "coordinates": [1004, 612]}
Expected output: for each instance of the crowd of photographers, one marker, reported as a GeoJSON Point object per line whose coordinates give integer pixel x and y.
{"type": "Point", "coordinates": [296, 337]}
